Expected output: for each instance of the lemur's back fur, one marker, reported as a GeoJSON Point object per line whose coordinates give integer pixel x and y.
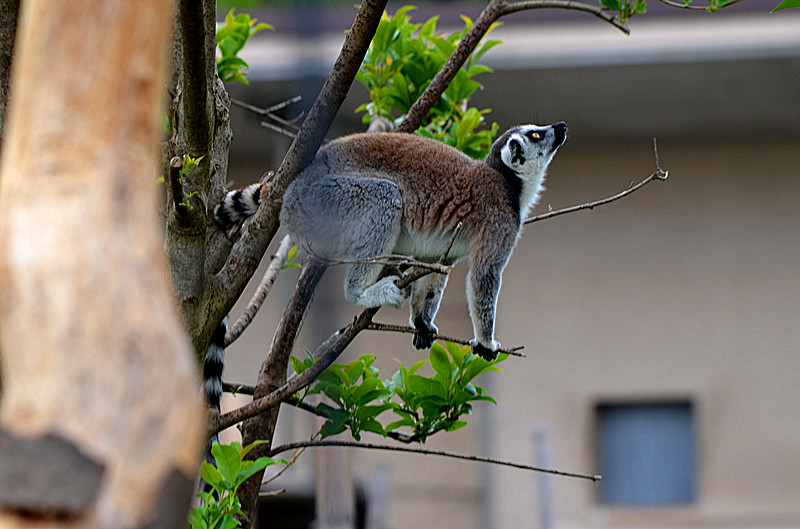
{"type": "Point", "coordinates": [372, 194]}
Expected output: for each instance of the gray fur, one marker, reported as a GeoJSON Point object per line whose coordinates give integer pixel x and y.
{"type": "Point", "coordinates": [374, 194]}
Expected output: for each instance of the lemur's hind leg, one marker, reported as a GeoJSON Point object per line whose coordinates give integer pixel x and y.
{"type": "Point", "coordinates": [426, 294]}
{"type": "Point", "coordinates": [345, 217]}
{"type": "Point", "coordinates": [371, 221]}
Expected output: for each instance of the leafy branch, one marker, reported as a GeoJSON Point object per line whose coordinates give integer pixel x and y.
{"type": "Point", "coordinates": [423, 405]}
{"type": "Point", "coordinates": [232, 35]}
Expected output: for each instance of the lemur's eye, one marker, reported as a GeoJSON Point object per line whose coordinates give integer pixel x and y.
{"type": "Point", "coordinates": [535, 135]}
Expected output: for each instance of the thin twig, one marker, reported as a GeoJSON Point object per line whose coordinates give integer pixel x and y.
{"type": "Point", "coordinates": [271, 493]}
{"type": "Point", "coordinates": [395, 260]}
{"type": "Point", "coordinates": [681, 5]}
{"type": "Point", "coordinates": [388, 327]}
{"type": "Point", "coordinates": [275, 266]}
{"type": "Point", "coordinates": [422, 451]}
{"type": "Point", "coordinates": [280, 130]}
{"type": "Point", "coordinates": [265, 111]}
{"type": "Point", "coordinates": [238, 389]}
{"type": "Point", "coordinates": [659, 174]}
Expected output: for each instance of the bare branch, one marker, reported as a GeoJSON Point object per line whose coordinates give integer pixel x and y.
{"type": "Point", "coordinates": [395, 260]}
{"type": "Point", "coordinates": [682, 5]}
{"type": "Point", "coordinates": [289, 132]}
{"type": "Point", "coordinates": [659, 174]}
{"type": "Point", "coordinates": [265, 111]}
{"type": "Point", "coordinates": [491, 13]}
{"type": "Point", "coordinates": [422, 451]}
{"type": "Point", "coordinates": [597, 11]}
{"type": "Point", "coordinates": [387, 327]}
{"type": "Point", "coordinates": [275, 266]}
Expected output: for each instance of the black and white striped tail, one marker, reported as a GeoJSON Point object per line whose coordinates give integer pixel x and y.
{"type": "Point", "coordinates": [213, 365]}
{"type": "Point", "coordinates": [237, 206]}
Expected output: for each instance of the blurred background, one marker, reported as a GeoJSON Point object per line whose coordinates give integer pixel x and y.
{"type": "Point", "coordinates": [662, 331]}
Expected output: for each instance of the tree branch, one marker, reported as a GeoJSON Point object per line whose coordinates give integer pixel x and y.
{"type": "Point", "coordinates": [681, 5]}
{"type": "Point", "coordinates": [387, 327]}
{"type": "Point", "coordinates": [659, 174]}
{"type": "Point", "coordinates": [422, 451]}
{"type": "Point", "coordinates": [271, 273]}
{"type": "Point", "coordinates": [181, 211]}
{"type": "Point", "coordinates": [597, 11]}
{"type": "Point", "coordinates": [9, 10]}
{"type": "Point", "coordinates": [396, 260]}
{"type": "Point", "coordinates": [196, 92]}
{"type": "Point", "coordinates": [243, 260]}
{"type": "Point", "coordinates": [491, 13]}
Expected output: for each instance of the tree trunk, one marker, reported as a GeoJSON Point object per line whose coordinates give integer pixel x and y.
{"type": "Point", "coordinates": [8, 28]}
{"type": "Point", "coordinates": [100, 412]}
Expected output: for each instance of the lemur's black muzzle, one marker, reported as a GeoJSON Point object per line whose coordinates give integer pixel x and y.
{"type": "Point", "coordinates": [560, 132]}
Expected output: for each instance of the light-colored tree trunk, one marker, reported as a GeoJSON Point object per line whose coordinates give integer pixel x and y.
{"type": "Point", "coordinates": [98, 373]}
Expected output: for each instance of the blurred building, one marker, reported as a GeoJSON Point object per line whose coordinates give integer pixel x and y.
{"type": "Point", "coordinates": [662, 331]}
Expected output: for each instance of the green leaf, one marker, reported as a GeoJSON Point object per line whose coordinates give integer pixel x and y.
{"type": "Point", "coordinates": [457, 425]}
{"type": "Point", "coordinates": [457, 352]}
{"type": "Point", "coordinates": [440, 361]}
{"type": "Point", "coordinates": [427, 386]}
{"type": "Point", "coordinates": [255, 466]}
{"type": "Point", "coordinates": [246, 450]}
{"type": "Point", "coordinates": [211, 475]}
{"type": "Point", "coordinates": [614, 5]}
{"type": "Point", "coordinates": [786, 4]}
{"type": "Point", "coordinates": [229, 461]}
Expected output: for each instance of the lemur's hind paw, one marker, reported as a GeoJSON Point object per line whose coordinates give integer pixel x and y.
{"type": "Point", "coordinates": [384, 292]}
{"type": "Point", "coordinates": [483, 351]}
{"type": "Point", "coordinates": [425, 333]}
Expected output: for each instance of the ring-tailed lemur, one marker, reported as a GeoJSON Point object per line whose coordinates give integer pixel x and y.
{"type": "Point", "coordinates": [374, 194]}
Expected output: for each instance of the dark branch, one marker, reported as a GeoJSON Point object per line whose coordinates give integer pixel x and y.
{"type": "Point", "coordinates": [196, 90]}
{"type": "Point", "coordinates": [422, 451]}
{"type": "Point", "coordinates": [387, 327]}
{"type": "Point", "coordinates": [491, 13]}
{"type": "Point", "coordinates": [659, 174]}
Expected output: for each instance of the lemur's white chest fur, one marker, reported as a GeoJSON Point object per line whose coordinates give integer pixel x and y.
{"type": "Point", "coordinates": [373, 194]}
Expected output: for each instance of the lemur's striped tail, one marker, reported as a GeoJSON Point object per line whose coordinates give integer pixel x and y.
{"type": "Point", "coordinates": [213, 365]}
{"type": "Point", "coordinates": [238, 205]}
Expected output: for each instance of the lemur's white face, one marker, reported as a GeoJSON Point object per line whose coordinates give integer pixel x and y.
{"type": "Point", "coordinates": [528, 149]}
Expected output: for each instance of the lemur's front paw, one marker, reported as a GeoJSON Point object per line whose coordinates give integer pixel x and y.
{"type": "Point", "coordinates": [384, 292]}
{"type": "Point", "coordinates": [483, 351]}
{"type": "Point", "coordinates": [425, 333]}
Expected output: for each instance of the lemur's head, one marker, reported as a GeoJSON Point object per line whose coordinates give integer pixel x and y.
{"type": "Point", "coordinates": [528, 149]}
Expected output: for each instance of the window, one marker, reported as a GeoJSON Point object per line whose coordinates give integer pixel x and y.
{"type": "Point", "coordinates": [646, 453]}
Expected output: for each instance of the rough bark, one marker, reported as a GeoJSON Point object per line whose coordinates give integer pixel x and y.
{"type": "Point", "coordinates": [200, 127]}
{"type": "Point", "coordinates": [93, 346]}
{"type": "Point", "coordinates": [8, 29]}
